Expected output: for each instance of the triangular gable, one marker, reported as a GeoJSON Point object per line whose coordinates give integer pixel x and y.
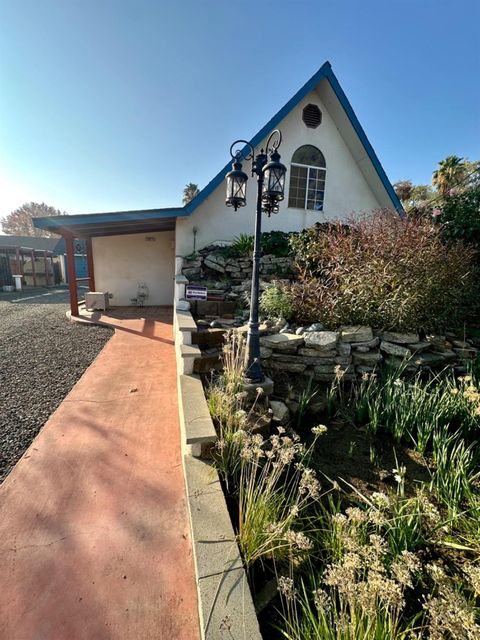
{"type": "Point", "coordinates": [326, 72]}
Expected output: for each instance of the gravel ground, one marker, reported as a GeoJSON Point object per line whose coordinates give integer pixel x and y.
{"type": "Point", "coordinates": [42, 355]}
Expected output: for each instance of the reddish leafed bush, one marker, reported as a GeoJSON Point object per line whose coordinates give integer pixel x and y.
{"type": "Point", "coordinates": [384, 272]}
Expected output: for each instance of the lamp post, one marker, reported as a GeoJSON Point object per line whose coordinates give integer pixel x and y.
{"type": "Point", "coordinates": [270, 174]}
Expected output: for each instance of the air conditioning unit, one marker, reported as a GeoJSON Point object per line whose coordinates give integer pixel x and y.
{"type": "Point", "coordinates": [96, 300]}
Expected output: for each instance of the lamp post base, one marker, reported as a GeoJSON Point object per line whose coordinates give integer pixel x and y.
{"type": "Point", "coordinates": [251, 387]}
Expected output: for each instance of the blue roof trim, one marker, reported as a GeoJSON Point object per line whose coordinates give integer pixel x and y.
{"type": "Point", "coordinates": [115, 216]}
{"type": "Point", "coordinates": [271, 124]}
{"type": "Point", "coordinates": [325, 71]}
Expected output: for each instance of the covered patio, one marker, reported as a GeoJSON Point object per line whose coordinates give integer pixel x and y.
{"type": "Point", "coordinates": [102, 254]}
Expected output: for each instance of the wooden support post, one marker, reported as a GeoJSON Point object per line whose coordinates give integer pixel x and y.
{"type": "Point", "coordinates": [91, 272]}
{"type": "Point", "coordinates": [34, 274]}
{"type": "Point", "coordinates": [22, 268]}
{"type": "Point", "coordinates": [17, 259]}
{"type": "Point", "coordinates": [45, 262]}
{"type": "Point", "coordinates": [72, 275]}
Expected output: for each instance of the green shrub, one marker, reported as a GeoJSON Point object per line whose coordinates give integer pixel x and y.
{"type": "Point", "coordinates": [382, 271]}
{"type": "Point", "coordinates": [460, 216]}
{"type": "Point", "coordinates": [276, 302]}
{"type": "Point", "coordinates": [276, 243]}
{"type": "Point", "coordinates": [242, 246]}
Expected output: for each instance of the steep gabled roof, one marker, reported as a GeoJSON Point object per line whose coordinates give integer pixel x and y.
{"type": "Point", "coordinates": [122, 221]}
{"type": "Point", "coordinates": [326, 72]}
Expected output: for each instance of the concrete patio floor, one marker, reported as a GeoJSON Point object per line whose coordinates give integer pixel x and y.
{"type": "Point", "coordinates": [94, 533]}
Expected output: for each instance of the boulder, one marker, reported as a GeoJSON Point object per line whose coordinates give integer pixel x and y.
{"type": "Point", "coordinates": [399, 338]}
{"type": "Point", "coordinates": [395, 349]}
{"type": "Point", "coordinates": [265, 352]}
{"type": "Point", "coordinates": [362, 349]}
{"type": "Point", "coordinates": [356, 334]}
{"type": "Point", "coordinates": [280, 410]}
{"type": "Point", "coordinates": [284, 342]}
{"type": "Point", "coordinates": [321, 340]}
{"type": "Point", "coordinates": [300, 331]}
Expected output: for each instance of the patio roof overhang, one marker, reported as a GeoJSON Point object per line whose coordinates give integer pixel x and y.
{"type": "Point", "coordinates": [115, 223]}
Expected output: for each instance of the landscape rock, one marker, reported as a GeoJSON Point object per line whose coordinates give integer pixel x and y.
{"type": "Point", "coordinates": [399, 338]}
{"type": "Point", "coordinates": [265, 352]}
{"type": "Point", "coordinates": [356, 334]}
{"type": "Point", "coordinates": [280, 411]}
{"type": "Point", "coordinates": [344, 348]}
{"type": "Point", "coordinates": [466, 354]}
{"type": "Point", "coordinates": [309, 352]}
{"type": "Point", "coordinates": [418, 347]}
{"type": "Point", "coordinates": [370, 359]}
{"type": "Point", "coordinates": [395, 349]}
{"type": "Point", "coordinates": [284, 342]}
{"type": "Point", "coordinates": [370, 344]}
{"type": "Point", "coordinates": [316, 326]}
{"type": "Point", "coordinates": [321, 340]}
{"type": "Point", "coordinates": [429, 359]}
{"type": "Point", "coordinates": [300, 331]}
{"type": "Point", "coordinates": [289, 367]}
{"type": "Point", "coordinates": [362, 349]}
{"type": "Point", "coordinates": [333, 368]}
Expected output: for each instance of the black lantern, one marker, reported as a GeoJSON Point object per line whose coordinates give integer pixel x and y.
{"type": "Point", "coordinates": [236, 186]}
{"type": "Point", "coordinates": [270, 191]}
{"type": "Point", "coordinates": [274, 179]}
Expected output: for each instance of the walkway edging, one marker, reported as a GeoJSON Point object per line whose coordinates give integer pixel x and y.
{"type": "Point", "coordinates": [225, 602]}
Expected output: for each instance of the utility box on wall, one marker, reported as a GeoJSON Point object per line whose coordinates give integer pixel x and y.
{"type": "Point", "coordinates": [96, 300]}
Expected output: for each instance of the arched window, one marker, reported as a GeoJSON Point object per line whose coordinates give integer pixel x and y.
{"type": "Point", "coordinates": [307, 179]}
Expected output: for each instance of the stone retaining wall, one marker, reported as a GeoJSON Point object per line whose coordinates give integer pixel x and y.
{"type": "Point", "coordinates": [232, 276]}
{"type": "Point", "coordinates": [354, 351]}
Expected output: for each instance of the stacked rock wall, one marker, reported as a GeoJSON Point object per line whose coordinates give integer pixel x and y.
{"type": "Point", "coordinates": [354, 351]}
{"type": "Point", "coordinates": [232, 276]}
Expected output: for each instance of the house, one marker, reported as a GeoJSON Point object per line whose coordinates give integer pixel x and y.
{"type": "Point", "coordinates": [323, 146]}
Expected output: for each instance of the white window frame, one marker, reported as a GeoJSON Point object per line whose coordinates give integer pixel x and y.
{"type": "Point", "coordinates": [308, 167]}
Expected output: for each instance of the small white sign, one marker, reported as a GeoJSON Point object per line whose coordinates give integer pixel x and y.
{"type": "Point", "coordinates": [195, 292]}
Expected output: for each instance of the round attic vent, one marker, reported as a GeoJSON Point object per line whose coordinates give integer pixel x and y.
{"type": "Point", "coordinates": [312, 116]}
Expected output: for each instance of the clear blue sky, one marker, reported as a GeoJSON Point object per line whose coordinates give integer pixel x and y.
{"type": "Point", "coordinates": [116, 104]}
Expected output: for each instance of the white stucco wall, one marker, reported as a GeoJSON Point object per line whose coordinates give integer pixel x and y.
{"type": "Point", "coordinates": [121, 262]}
{"type": "Point", "coordinates": [346, 188]}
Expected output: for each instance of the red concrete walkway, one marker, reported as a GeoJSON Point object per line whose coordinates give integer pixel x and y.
{"type": "Point", "coordinates": [94, 537]}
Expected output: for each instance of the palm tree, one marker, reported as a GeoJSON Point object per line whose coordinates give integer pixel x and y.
{"type": "Point", "coordinates": [190, 192]}
{"type": "Point", "coordinates": [450, 173]}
